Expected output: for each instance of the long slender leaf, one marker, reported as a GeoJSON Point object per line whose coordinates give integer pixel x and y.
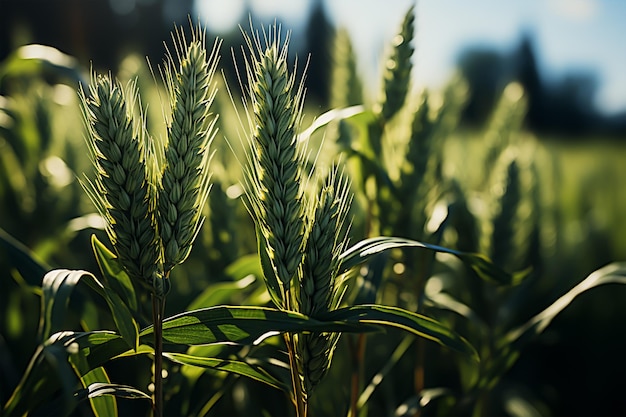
{"type": "Point", "coordinates": [241, 325]}
{"type": "Point", "coordinates": [101, 389]}
{"type": "Point", "coordinates": [244, 266]}
{"type": "Point", "coordinates": [330, 116]}
{"type": "Point", "coordinates": [114, 274]}
{"type": "Point", "coordinates": [31, 269]}
{"type": "Point", "coordinates": [36, 386]}
{"type": "Point", "coordinates": [49, 369]}
{"type": "Point", "coordinates": [36, 59]}
{"type": "Point", "coordinates": [102, 406]}
{"type": "Point", "coordinates": [487, 270]}
{"type": "Point", "coordinates": [402, 319]}
{"type": "Point", "coordinates": [614, 273]}
{"type": "Point", "coordinates": [122, 316]}
{"type": "Point", "coordinates": [89, 350]}
{"type": "Point", "coordinates": [245, 325]}
{"type": "Point", "coordinates": [232, 366]}
{"type": "Point", "coordinates": [384, 371]}
{"type": "Point", "coordinates": [220, 292]}
{"type": "Point", "coordinates": [57, 287]}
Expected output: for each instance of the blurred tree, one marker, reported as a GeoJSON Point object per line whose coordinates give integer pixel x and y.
{"type": "Point", "coordinates": [564, 107]}
{"type": "Point", "coordinates": [100, 31]}
{"type": "Point", "coordinates": [568, 107]}
{"type": "Point", "coordinates": [485, 71]}
{"type": "Point", "coordinates": [527, 74]}
{"type": "Point", "coordinates": [320, 34]}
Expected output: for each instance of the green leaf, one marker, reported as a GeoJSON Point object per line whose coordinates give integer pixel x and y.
{"type": "Point", "coordinates": [37, 60]}
{"type": "Point", "coordinates": [104, 406]}
{"type": "Point", "coordinates": [251, 325]}
{"type": "Point", "coordinates": [24, 260]}
{"type": "Point", "coordinates": [113, 273]}
{"type": "Point", "coordinates": [241, 325]}
{"type": "Point", "coordinates": [49, 368]}
{"type": "Point", "coordinates": [244, 266]}
{"type": "Point", "coordinates": [220, 292]}
{"type": "Point", "coordinates": [371, 166]}
{"type": "Point", "coordinates": [101, 389]}
{"type": "Point", "coordinates": [36, 386]}
{"type": "Point", "coordinates": [395, 357]}
{"type": "Point", "coordinates": [362, 122]}
{"type": "Point", "coordinates": [123, 318]}
{"type": "Point", "coordinates": [445, 301]}
{"type": "Point", "coordinates": [614, 273]}
{"type": "Point", "coordinates": [487, 270]}
{"type": "Point", "coordinates": [414, 323]}
{"type": "Point", "coordinates": [242, 272]}
{"type": "Point", "coordinates": [89, 350]}
{"type": "Point", "coordinates": [57, 287]}
{"type": "Point", "coordinates": [236, 367]}
{"type": "Point", "coordinates": [330, 116]}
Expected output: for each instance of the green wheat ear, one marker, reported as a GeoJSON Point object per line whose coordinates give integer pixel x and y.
{"type": "Point", "coordinates": [184, 184]}
{"type": "Point", "coordinates": [274, 176]}
{"type": "Point", "coordinates": [397, 71]}
{"type": "Point", "coordinates": [320, 289]}
{"type": "Point", "coordinates": [325, 241]}
{"type": "Point", "coordinates": [347, 89]}
{"type": "Point", "coordinates": [508, 230]}
{"type": "Point", "coordinates": [123, 188]}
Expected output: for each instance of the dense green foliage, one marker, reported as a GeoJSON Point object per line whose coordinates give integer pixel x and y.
{"type": "Point", "coordinates": [327, 259]}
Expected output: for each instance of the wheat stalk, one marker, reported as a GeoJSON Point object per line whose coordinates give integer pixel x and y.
{"type": "Point", "coordinates": [184, 184]}
{"type": "Point", "coordinates": [302, 238]}
{"type": "Point", "coordinates": [274, 178]}
{"type": "Point", "coordinates": [123, 188]}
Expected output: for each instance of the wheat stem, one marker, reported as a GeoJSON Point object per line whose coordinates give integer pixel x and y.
{"type": "Point", "coordinates": [158, 313]}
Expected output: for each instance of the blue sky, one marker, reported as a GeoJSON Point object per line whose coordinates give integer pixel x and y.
{"type": "Point", "coordinates": [569, 35]}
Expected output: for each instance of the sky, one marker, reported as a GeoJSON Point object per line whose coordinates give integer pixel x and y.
{"type": "Point", "coordinates": [568, 35]}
